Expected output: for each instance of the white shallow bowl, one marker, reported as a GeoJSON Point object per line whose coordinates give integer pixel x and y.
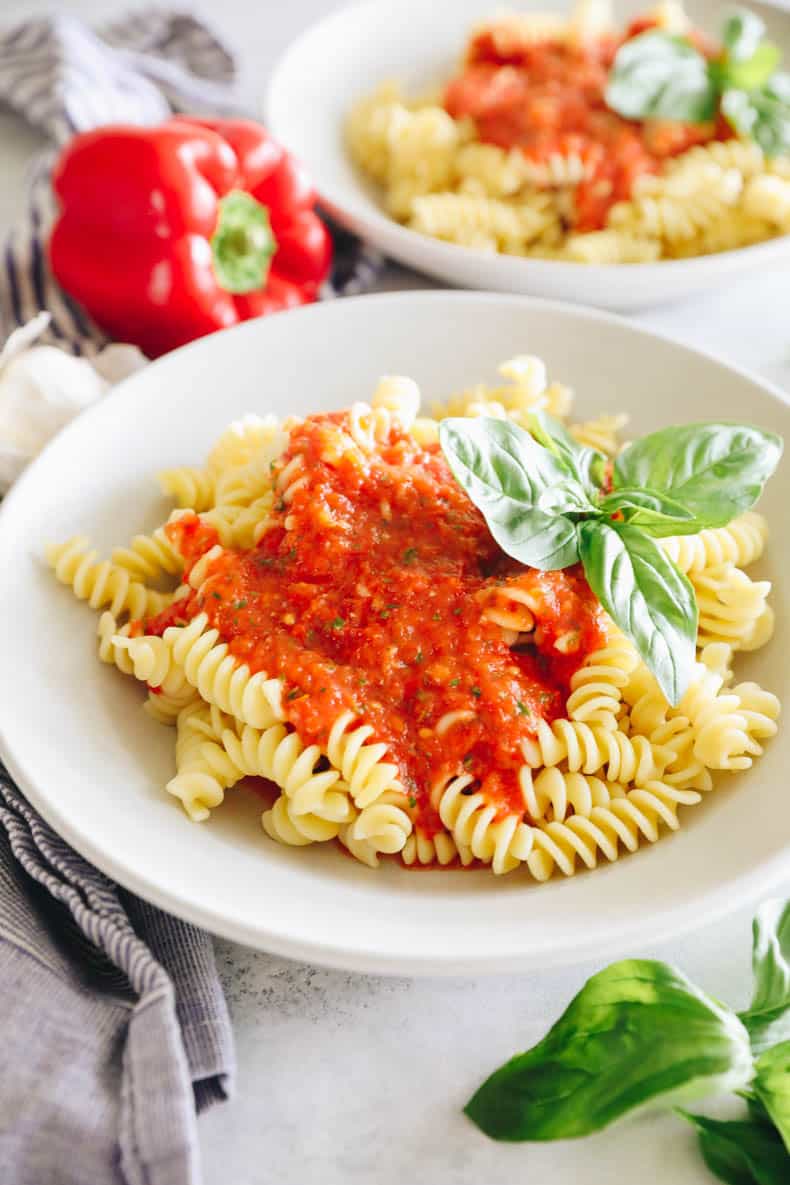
{"type": "Point", "coordinates": [347, 55]}
{"type": "Point", "coordinates": [73, 734]}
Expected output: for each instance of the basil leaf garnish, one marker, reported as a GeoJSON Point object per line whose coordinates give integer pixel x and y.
{"type": "Point", "coordinates": [715, 470]}
{"type": "Point", "coordinates": [768, 1016]}
{"type": "Point", "coordinates": [537, 540]}
{"type": "Point", "coordinates": [496, 459]}
{"type": "Point", "coordinates": [762, 115]}
{"type": "Point", "coordinates": [741, 1152]}
{"type": "Point", "coordinates": [772, 1087]}
{"type": "Point", "coordinates": [754, 72]}
{"type": "Point", "coordinates": [541, 496]}
{"type": "Point", "coordinates": [779, 87]}
{"type": "Point", "coordinates": [586, 464]}
{"type": "Point", "coordinates": [660, 76]}
{"type": "Point", "coordinates": [637, 1031]}
{"type": "Point", "coordinates": [741, 35]}
{"type": "Point", "coordinates": [506, 474]}
{"type": "Point", "coordinates": [656, 513]}
{"type": "Point", "coordinates": [645, 594]}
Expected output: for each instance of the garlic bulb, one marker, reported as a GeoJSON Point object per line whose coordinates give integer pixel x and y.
{"type": "Point", "coordinates": [42, 388]}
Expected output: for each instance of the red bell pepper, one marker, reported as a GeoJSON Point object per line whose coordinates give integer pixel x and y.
{"type": "Point", "coordinates": [168, 233]}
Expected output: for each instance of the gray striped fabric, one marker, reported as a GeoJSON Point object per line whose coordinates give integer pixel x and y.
{"type": "Point", "coordinates": [64, 78]}
{"type": "Point", "coordinates": [113, 1022]}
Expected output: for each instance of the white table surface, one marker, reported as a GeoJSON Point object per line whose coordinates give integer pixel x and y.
{"type": "Point", "coordinates": [347, 1079]}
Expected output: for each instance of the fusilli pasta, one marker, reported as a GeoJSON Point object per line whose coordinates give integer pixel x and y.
{"type": "Point", "coordinates": [587, 772]}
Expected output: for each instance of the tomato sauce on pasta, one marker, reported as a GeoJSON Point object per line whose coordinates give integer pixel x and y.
{"type": "Point", "coordinates": [546, 98]}
{"type": "Point", "coordinates": [366, 594]}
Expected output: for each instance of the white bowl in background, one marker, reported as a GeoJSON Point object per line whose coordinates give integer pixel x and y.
{"type": "Point", "coordinates": [348, 54]}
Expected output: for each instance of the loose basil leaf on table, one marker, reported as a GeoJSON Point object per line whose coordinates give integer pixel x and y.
{"type": "Point", "coordinates": [658, 75]}
{"type": "Point", "coordinates": [645, 594]}
{"type": "Point", "coordinates": [757, 1112]}
{"type": "Point", "coordinates": [741, 1151]}
{"type": "Point", "coordinates": [586, 464]}
{"type": "Point", "coordinates": [656, 513]}
{"type": "Point", "coordinates": [768, 1016]}
{"type": "Point", "coordinates": [761, 115]}
{"type": "Point", "coordinates": [636, 1032]}
{"type": "Point", "coordinates": [715, 470]}
{"type": "Point", "coordinates": [771, 1085]}
{"type": "Point", "coordinates": [506, 472]}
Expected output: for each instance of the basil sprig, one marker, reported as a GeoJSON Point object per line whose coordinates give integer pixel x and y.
{"type": "Point", "coordinates": [545, 502]}
{"type": "Point", "coordinates": [639, 1032]}
{"type": "Point", "coordinates": [768, 1016]}
{"type": "Point", "coordinates": [659, 75]}
{"type": "Point", "coordinates": [741, 1151]}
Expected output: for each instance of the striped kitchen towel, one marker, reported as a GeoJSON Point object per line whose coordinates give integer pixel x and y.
{"type": "Point", "coordinates": [62, 77]}
{"type": "Point", "coordinates": [113, 1022]}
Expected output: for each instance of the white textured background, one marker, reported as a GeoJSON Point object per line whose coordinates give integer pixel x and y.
{"type": "Point", "coordinates": [351, 1080]}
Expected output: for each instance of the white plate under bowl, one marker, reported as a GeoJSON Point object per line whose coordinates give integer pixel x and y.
{"type": "Point", "coordinates": [350, 52]}
{"type": "Point", "coordinates": [73, 734]}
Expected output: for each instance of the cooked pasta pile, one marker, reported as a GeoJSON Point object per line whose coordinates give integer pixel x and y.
{"type": "Point", "coordinates": [340, 623]}
{"type": "Point", "coordinates": [463, 169]}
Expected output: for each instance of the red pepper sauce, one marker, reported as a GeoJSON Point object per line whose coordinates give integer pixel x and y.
{"type": "Point", "coordinates": [547, 97]}
{"type": "Point", "coordinates": [363, 596]}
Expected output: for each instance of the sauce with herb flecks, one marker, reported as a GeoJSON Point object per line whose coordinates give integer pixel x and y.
{"type": "Point", "coordinates": [366, 594]}
{"type": "Point", "coordinates": [547, 98]}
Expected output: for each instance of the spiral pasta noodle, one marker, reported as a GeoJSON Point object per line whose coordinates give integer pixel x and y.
{"type": "Point", "coordinates": [192, 488]}
{"type": "Point", "coordinates": [732, 608]}
{"type": "Point", "coordinates": [591, 748]}
{"type": "Point", "coordinates": [596, 688]}
{"type": "Point", "coordinates": [741, 542]}
{"type": "Point", "coordinates": [101, 583]}
{"type": "Point", "coordinates": [218, 677]}
{"type": "Point", "coordinates": [627, 819]}
{"type": "Point", "coordinates": [278, 754]}
{"type": "Point", "coordinates": [204, 768]}
{"type": "Point", "coordinates": [361, 764]}
{"type": "Point", "coordinates": [284, 825]}
{"type": "Point", "coordinates": [440, 849]}
{"type": "Point", "coordinates": [473, 823]}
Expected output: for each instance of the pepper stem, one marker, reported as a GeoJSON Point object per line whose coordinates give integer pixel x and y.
{"type": "Point", "coordinates": [243, 244]}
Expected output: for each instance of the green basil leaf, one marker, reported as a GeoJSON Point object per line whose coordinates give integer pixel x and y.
{"type": "Point", "coordinates": [586, 464]}
{"type": "Point", "coordinates": [506, 474]}
{"type": "Point", "coordinates": [778, 87]}
{"type": "Point", "coordinates": [742, 33]}
{"type": "Point", "coordinates": [657, 75]}
{"type": "Point", "coordinates": [637, 1031]}
{"type": "Point", "coordinates": [496, 460]}
{"type": "Point", "coordinates": [757, 1111]}
{"type": "Point", "coordinates": [645, 594]}
{"type": "Point", "coordinates": [754, 72]}
{"type": "Point", "coordinates": [715, 470]}
{"type": "Point", "coordinates": [772, 1087]}
{"type": "Point", "coordinates": [656, 513]}
{"type": "Point", "coordinates": [768, 1016]}
{"type": "Point", "coordinates": [761, 115]}
{"type": "Point", "coordinates": [741, 1152]}
{"type": "Point", "coordinates": [536, 539]}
